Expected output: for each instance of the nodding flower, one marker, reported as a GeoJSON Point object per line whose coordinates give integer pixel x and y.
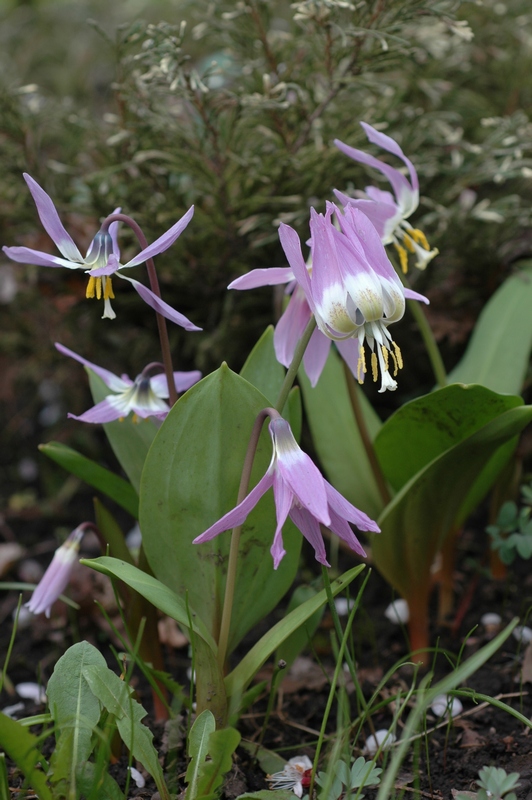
{"type": "Point", "coordinates": [301, 493]}
{"type": "Point", "coordinates": [56, 578]}
{"type": "Point", "coordinates": [103, 257]}
{"type": "Point", "coordinates": [389, 212]}
{"type": "Point", "coordinates": [144, 397]}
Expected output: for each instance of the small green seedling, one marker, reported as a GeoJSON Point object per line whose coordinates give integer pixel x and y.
{"type": "Point", "coordinates": [347, 779]}
{"type": "Point", "coordinates": [511, 535]}
{"type": "Point", "coordinates": [495, 784]}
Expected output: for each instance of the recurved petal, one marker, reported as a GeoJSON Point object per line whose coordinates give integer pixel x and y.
{"type": "Point", "coordinates": [411, 295]}
{"type": "Point", "coordinates": [25, 255]}
{"type": "Point", "coordinates": [389, 144]}
{"type": "Point", "coordinates": [283, 502]}
{"type": "Point", "coordinates": [107, 410]}
{"type": "Point", "coordinates": [291, 245]}
{"type": "Point", "coordinates": [290, 327]}
{"type": "Point", "coordinates": [51, 222]}
{"type": "Point", "coordinates": [272, 276]}
{"type": "Point", "coordinates": [316, 355]}
{"type": "Point", "coordinates": [111, 380]}
{"type": "Point", "coordinates": [183, 381]}
{"type": "Point", "coordinates": [343, 508]}
{"type": "Point", "coordinates": [238, 515]}
{"type": "Point", "coordinates": [309, 527]}
{"type": "Point", "coordinates": [160, 306]}
{"type": "Point", "coordinates": [163, 242]}
{"type": "Point", "coordinates": [298, 471]}
{"type": "Point", "coordinates": [342, 529]}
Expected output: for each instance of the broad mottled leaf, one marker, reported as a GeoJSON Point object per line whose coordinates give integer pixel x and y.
{"type": "Point", "coordinates": [190, 480]}
{"type": "Point", "coordinates": [499, 351]}
{"type": "Point", "coordinates": [416, 522]}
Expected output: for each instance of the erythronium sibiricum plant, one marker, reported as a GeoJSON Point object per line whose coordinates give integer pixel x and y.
{"type": "Point", "coordinates": [196, 474]}
{"type": "Point", "coordinates": [146, 396]}
{"type": "Point", "coordinates": [389, 212]}
{"type": "Point", "coordinates": [103, 256]}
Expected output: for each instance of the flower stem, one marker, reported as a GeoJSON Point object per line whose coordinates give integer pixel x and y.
{"type": "Point", "coordinates": [294, 366]}
{"type": "Point", "coordinates": [354, 397]}
{"type": "Point", "coordinates": [230, 580]}
{"type": "Point", "coordinates": [431, 347]}
{"type": "Point", "coordinates": [154, 284]}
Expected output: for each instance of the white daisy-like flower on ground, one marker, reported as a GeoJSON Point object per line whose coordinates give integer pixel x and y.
{"type": "Point", "coordinates": [295, 776]}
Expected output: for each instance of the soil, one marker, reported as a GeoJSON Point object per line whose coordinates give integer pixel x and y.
{"type": "Point", "coordinates": [439, 764]}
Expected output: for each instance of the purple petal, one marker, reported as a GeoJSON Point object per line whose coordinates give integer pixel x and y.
{"type": "Point", "coordinates": [309, 527]}
{"type": "Point", "coordinates": [341, 528]}
{"type": "Point", "coordinates": [316, 355]}
{"type": "Point", "coordinates": [163, 242]}
{"type": "Point", "coordinates": [112, 266]}
{"type": "Point", "coordinates": [387, 143]}
{"type": "Point", "coordinates": [327, 278]}
{"type": "Point", "coordinates": [51, 222]}
{"type": "Point", "coordinates": [283, 503]}
{"type": "Point", "coordinates": [25, 255]}
{"type": "Point", "coordinates": [109, 378]}
{"type": "Point", "coordinates": [104, 411]}
{"type": "Point", "coordinates": [290, 327]}
{"type": "Point", "coordinates": [291, 245]}
{"type": "Point", "coordinates": [368, 237]}
{"type": "Point", "coordinates": [411, 295]}
{"type": "Point", "coordinates": [349, 349]}
{"type": "Point", "coordinates": [407, 194]}
{"type": "Point", "coordinates": [271, 276]}
{"type": "Point", "coordinates": [384, 216]}
{"type": "Point", "coordinates": [238, 515]}
{"type": "Point", "coordinates": [160, 306]}
{"type": "Point", "coordinates": [183, 381]}
{"type": "Point", "coordinates": [299, 472]}
{"type": "Point", "coordinates": [343, 508]}
{"type": "Point", "coordinates": [113, 233]}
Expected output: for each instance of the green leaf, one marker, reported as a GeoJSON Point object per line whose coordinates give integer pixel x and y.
{"type": "Point", "coordinates": [243, 674]}
{"type": "Point", "coordinates": [102, 479]}
{"type": "Point", "coordinates": [299, 639]}
{"type": "Point", "coordinates": [428, 426]}
{"type": "Point", "coordinates": [267, 794]}
{"type": "Point", "coordinates": [336, 437]}
{"type": "Point", "coordinates": [153, 590]}
{"type": "Point", "coordinates": [210, 686]}
{"type": "Point", "coordinates": [22, 747]}
{"type": "Point", "coordinates": [99, 782]}
{"type": "Point", "coordinates": [262, 369]}
{"type": "Point", "coordinates": [416, 522]}
{"type": "Point", "coordinates": [269, 761]}
{"type": "Point", "coordinates": [115, 695]}
{"type": "Point", "coordinates": [198, 750]}
{"type": "Point", "coordinates": [74, 709]}
{"type": "Point", "coordinates": [190, 480]}
{"type": "Point", "coordinates": [499, 351]}
{"type": "Point", "coordinates": [222, 745]}
{"type": "Point", "coordinates": [129, 440]}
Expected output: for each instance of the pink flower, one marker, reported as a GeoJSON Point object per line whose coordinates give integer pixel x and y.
{"type": "Point", "coordinates": [301, 493]}
{"type": "Point", "coordinates": [389, 212]}
{"type": "Point", "coordinates": [145, 396]}
{"type": "Point", "coordinates": [102, 259]}
{"type": "Point", "coordinates": [56, 578]}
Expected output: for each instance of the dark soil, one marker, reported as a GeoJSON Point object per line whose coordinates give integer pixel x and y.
{"type": "Point", "coordinates": [446, 760]}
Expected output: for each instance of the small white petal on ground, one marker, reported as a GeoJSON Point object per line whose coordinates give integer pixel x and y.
{"type": "Point", "coordinates": [398, 612]}
{"type": "Point", "coordinates": [522, 633]}
{"type": "Point", "coordinates": [443, 704]}
{"type": "Point", "coordinates": [31, 691]}
{"type": "Point", "coordinates": [382, 738]}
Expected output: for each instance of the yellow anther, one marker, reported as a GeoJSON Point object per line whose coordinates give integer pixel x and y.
{"type": "Point", "coordinates": [398, 358]}
{"type": "Point", "coordinates": [374, 367]}
{"type": "Point", "coordinates": [99, 288]}
{"type": "Point", "coordinates": [403, 257]}
{"type": "Point", "coordinates": [108, 291]}
{"type": "Point", "coordinates": [384, 352]}
{"type": "Point", "coordinates": [135, 419]}
{"type": "Point", "coordinates": [361, 365]}
{"type": "Point", "coordinates": [419, 237]}
{"type": "Point", "coordinates": [89, 293]}
{"type": "Point", "coordinates": [121, 419]}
